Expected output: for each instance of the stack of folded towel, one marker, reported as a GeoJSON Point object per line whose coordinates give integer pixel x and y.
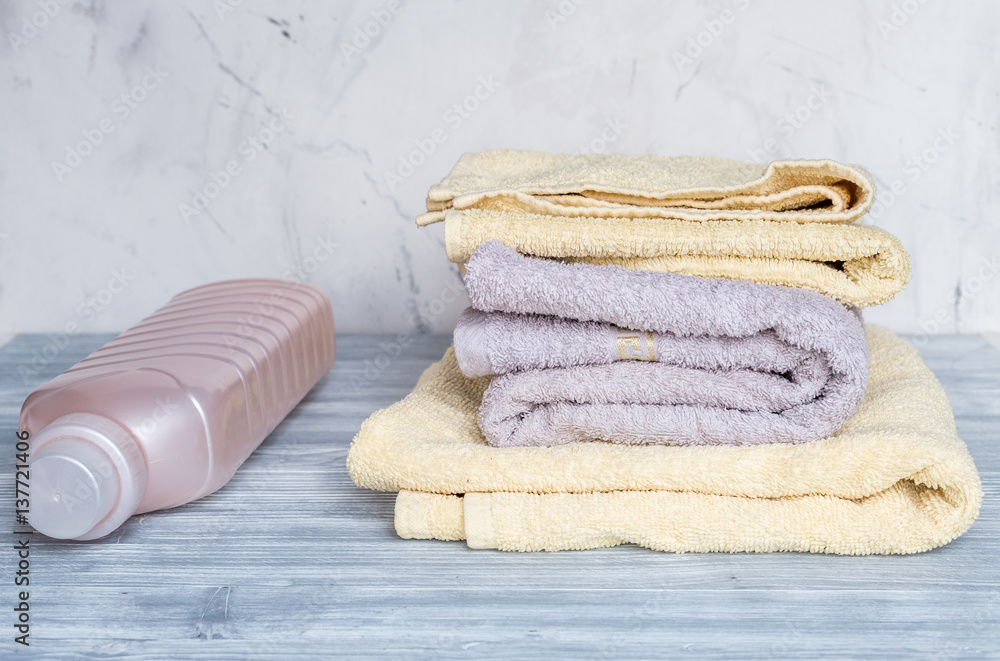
{"type": "Point", "coordinates": [669, 352]}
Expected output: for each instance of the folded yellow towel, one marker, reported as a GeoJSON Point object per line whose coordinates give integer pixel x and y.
{"type": "Point", "coordinates": [728, 222]}
{"type": "Point", "coordinates": [895, 479]}
{"type": "Point", "coordinates": [857, 265]}
{"type": "Point", "coordinates": [682, 187]}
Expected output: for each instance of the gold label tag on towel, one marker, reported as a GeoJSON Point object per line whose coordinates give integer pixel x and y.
{"type": "Point", "coordinates": [635, 345]}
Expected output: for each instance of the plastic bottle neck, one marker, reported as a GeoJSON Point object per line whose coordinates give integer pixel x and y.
{"type": "Point", "coordinates": [87, 475]}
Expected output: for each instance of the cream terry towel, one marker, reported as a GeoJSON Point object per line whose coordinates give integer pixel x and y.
{"type": "Point", "coordinates": [681, 187]}
{"type": "Point", "coordinates": [637, 212]}
{"type": "Point", "coordinates": [895, 479]}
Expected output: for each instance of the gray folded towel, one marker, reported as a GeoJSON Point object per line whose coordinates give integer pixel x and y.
{"type": "Point", "coordinates": [604, 353]}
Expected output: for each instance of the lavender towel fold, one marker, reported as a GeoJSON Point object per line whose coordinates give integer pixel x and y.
{"type": "Point", "coordinates": [703, 361]}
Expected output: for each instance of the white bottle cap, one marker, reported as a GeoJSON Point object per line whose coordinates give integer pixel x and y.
{"type": "Point", "coordinates": [87, 475]}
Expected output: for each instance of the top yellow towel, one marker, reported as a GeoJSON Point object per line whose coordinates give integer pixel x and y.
{"type": "Point", "coordinates": [789, 223]}
{"type": "Point", "coordinates": [682, 188]}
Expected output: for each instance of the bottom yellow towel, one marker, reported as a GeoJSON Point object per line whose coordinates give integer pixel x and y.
{"type": "Point", "coordinates": [895, 479]}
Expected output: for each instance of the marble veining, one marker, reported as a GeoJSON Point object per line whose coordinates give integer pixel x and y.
{"type": "Point", "coordinates": [154, 146]}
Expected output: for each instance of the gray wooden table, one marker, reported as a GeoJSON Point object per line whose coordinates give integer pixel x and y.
{"type": "Point", "coordinates": [291, 557]}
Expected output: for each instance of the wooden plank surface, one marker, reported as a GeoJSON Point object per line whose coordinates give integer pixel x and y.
{"type": "Point", "coordinates": [291, 558]}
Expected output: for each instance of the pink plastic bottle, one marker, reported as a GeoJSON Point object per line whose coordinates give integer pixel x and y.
{"type": "Point", "coordinates": [166, 412]}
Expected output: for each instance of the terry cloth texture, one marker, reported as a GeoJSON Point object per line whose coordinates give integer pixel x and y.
{"type": "Point", "coordinates": [857, 265]}
{"type": "Point", "coordinates": [551, 205]}
{"type": "Point", "coordinates": [684, 188]}
{"type": "Point", "coordinates": [733, 362]}
{"type": "Point", "coordinates": [895, 479]}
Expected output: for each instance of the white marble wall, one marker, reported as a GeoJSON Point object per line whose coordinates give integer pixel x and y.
{"type": "Point", "coordinates": [102, 240]}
